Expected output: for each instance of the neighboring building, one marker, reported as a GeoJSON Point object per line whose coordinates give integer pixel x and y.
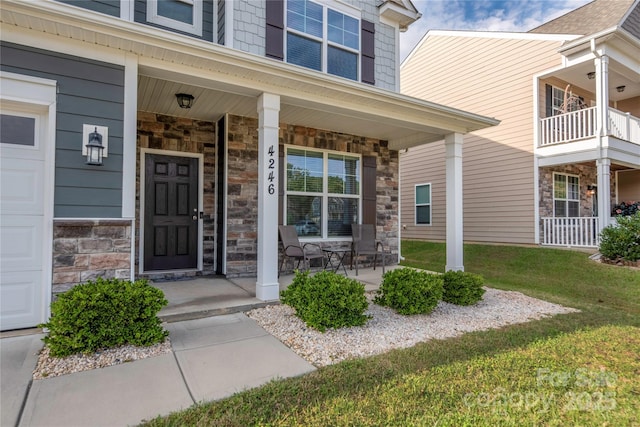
{"type": "Point", "coordinates": [567, 149]}
{"type": "Point", "coordinates": [295, 118]}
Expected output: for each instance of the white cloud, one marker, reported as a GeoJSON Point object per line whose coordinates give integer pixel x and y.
{"type": "Point", "coordinates": [482, 15]}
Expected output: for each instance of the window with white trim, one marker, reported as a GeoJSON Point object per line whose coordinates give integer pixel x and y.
{"type": "Point", "coordinates": [423, 204]}
{"type": "Point", "coordinates": [181, 15]}
{"type": "Point", "coordinates": [566, 195]}
{"type": "Point", "coordinates": [322, 192]}
{"type": "Point", "coordinates": [322, 38]}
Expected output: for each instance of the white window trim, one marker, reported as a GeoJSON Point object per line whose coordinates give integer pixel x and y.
{"type": "Point", "coordinates": [195, 28]}
{"type": "Point", "coordinates": [416, 204]}
{"type": "Point", "coordinates": [338, 7]}
{"type": "Point", "coordinates": [567, 199]}
{"type": "Point", "coordinates": [324, 194]}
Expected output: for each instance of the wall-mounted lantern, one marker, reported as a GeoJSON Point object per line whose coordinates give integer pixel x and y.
{"type": "Point", "coordinates": [591, 75]}
{"type": "Point", "coordinates": [591, 190]}
{"type": "Point", "coordinates": [95, 148]}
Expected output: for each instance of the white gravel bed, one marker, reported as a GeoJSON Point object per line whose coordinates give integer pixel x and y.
{"type": "Point", "coordinates": [49, 366]}
{"type": "Point", "coordinates": [388, 330]}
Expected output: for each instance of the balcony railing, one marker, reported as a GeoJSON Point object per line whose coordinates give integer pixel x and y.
{"type": "Point", "coordinates": [568, 127]}
{"type": "Point", "coordinates": [574, 232]}
{"type": "Point", "coordinates": [582, 124]}
{"type": "Point", "coordinates": [624, 126]}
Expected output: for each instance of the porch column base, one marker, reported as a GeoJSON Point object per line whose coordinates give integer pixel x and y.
{"type": "Point", "coordinates": [267, 291]}
{"type": "Point", "coordinates": [603, 167]}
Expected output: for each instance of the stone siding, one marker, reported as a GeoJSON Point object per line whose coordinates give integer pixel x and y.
{"type": "Point", "coordinates": [183, 135]}
{"type": "Point", "coordinates": [587, 174]}
{"type": "Point", "coordinates": [242, 207]}
{"type": "Point", "coordinates": [87, 249]}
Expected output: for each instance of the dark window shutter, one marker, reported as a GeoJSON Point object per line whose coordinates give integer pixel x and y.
{"type": "Point", "coordinates": [275, 29]}
{"type": "Point", "coordinates": [548, 100]}
{"type": "Point", "coordinates": [281, 169]}
{"type": "Point", "coordinates": [367, 58]}
{"type": "Point", "coordinates": [369, 205]}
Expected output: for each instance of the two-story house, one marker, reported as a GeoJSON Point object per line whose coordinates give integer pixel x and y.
{"type": "Point", "coordinates": [157, 138]}
{"type": "Point", "coordinates": [568, 146]}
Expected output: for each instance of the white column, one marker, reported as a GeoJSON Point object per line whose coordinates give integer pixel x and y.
{"type": "Point", "coordinates": [267, 287]}
{"type": "Point", "coordinates": [602, 93]}
{"type": "Point", "coordinates": [129, 142]}
{"type": "Point", "coordinates": [453, 158]}
{"type": "Point", "coordinates": [604, 192]}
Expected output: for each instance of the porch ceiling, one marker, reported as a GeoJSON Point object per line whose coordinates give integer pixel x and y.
{"type": "Point", "coordinates": [225, 80]}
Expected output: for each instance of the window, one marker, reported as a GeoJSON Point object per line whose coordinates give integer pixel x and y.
{"type": "Point", "coordinates": [423, 204]}
{"type": "Point", "coordinates": [17, 130]}
{"type": "Point", "coordinates": [322, 38]}
{"type": "Point", "coordinates": [181, 15]}
{"type": "Point", "coordinates": [566, 195]}
{"type": "Point", "coordinates": [322, 192]}
{"type": "Point", "coordinates": [558, 99]}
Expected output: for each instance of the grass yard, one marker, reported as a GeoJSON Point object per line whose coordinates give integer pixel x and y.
{"type": "Point", "coordinates": [575, 369]}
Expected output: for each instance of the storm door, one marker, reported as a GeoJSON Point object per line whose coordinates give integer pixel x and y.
{"type": "Point", "coordinates": [171, 213]}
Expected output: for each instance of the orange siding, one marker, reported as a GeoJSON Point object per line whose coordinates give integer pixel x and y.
{"type": "Point", "coordinates": [492, 77]}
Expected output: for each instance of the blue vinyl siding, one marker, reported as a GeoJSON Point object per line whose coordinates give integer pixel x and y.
{"type": "Point", "coordinates": [110, 7]}
{"type": "Point", "coordinates": [90, 92]}
{"type": "Point", "coordinates": [140, 16]}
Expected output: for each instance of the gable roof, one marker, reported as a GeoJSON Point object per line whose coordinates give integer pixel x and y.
{"type": "Point", "coordinates": [591, 18]}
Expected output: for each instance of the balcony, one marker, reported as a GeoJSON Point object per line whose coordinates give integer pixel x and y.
{"type": "Point", "coordinates": [582, 124]}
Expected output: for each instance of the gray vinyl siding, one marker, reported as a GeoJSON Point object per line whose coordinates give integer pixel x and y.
{"type": "Point", "coordinates": [140, 16]}
{"type": "Point", "coordinates": [632, 23]}
{"type": "Point", "coordinates": [90, 92]}
{"type": "Point", "coordinates": [109, 7]}
{"type": "Point", "coordinates": [221, 21]}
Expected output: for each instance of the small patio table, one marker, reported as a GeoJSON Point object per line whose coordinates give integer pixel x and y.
{"type": "Point", "coordinates": [339, 255]}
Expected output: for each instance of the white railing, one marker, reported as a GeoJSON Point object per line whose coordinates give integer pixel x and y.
{"type": "Point", "coordinates": [582, 124]}
{"type": "Point", "coordinates": [576, 232]}
{"type": "Point", "coordinates": [568, 127]}
{"type": "Point", "coordinates": [624, 126]}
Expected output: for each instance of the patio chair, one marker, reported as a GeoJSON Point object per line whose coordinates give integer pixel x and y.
{"type": "Point", "coordinates": [365, 243]}
{"type": "Point", "coordinates": [293, 250]}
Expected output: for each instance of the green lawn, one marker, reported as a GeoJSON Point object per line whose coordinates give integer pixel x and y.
{"type": "Point", "coordinates": [575, 369]}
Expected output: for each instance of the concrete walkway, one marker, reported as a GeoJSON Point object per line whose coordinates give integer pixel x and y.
{"type": "Point", "coordinates": [216, 351]}
{"type": "Point", "coordinates": [212, 358]}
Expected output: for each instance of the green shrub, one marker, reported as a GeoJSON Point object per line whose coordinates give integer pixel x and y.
{"type": "Point", "coordinates": [622, 240]}
{"type": "Point", "coordinates": [462, 288]}
{"type": "Point", "coordinates": [326, 300]}
{"type": "Point", "coordinates": [105, 313]}
{"type": "Point", "coordinates": [410, 291]}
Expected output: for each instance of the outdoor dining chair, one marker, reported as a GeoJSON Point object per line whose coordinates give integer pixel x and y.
{"type": "Point", "coordinates": [295, 251]}
{"type": "Point", "coordinates": [365, 243]}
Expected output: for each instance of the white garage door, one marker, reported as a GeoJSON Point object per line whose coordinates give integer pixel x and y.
{"type": "Point", "coordinates": [22, 222]}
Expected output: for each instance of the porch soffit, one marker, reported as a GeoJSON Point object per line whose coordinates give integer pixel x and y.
{"type": "Point", "coordinates": [227, 80]}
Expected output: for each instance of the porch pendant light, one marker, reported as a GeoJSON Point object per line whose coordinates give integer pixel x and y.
{"type": "Point", "coordinates": [184, 100]}
{"type": "Point", "coordinates": [94, 148]}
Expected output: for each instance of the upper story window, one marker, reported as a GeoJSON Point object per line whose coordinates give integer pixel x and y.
{"type": "Point", "coordinates": [566, 195]}
{"type": "Point", "coordinates": [181, 15]}
{"type": "Point", "coordinates": [323, 192]}
{"type": "Point", "coordinates": [322, 38]}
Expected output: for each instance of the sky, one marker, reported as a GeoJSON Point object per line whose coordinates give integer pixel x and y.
{"type": "Point", "coordinates": [482, 15]}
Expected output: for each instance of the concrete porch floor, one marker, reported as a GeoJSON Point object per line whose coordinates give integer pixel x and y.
{"type": "Point", "coordinates": [211, 296]}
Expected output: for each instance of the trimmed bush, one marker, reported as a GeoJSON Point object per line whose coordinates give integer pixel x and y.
{"type": "Point", "coordinates": [462, 288]}
{"type": "Point", "coordinates": [410, 291]}
{"type": "Point", "coordinates": [622, 240]}
{"type": "Point", "coordinates": [326, 300]}
{"type": "Point", "coordinates": [105, 313]}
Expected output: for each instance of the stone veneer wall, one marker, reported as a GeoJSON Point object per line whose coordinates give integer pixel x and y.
{"type": "Point", "coordinates": [588, 176]}
{"type": "Point", "coordinates": [242, 207]}
{"type": "Point", "coordinates": [87, 249]}
{"type": "Point", "coordinates": [184, 135]}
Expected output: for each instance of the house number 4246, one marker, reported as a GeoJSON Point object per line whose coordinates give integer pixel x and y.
{"type": "Point", "coordinates": [271, 166]}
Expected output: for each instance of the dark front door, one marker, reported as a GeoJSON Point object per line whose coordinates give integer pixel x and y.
{"type": "Point", "coordinates": [171, 213]}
